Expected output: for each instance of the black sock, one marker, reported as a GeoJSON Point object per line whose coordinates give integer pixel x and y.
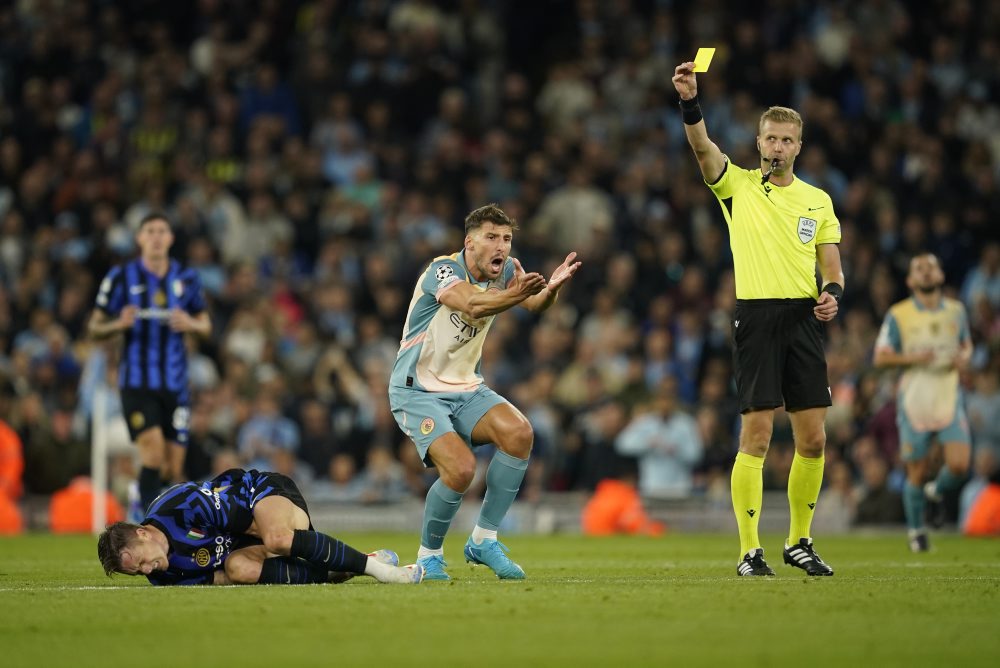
{"type": "Point", "coordinates": [288, 570]}
{"type": "Point", "coordinates": [150, 485]}
{"type": "Point", "coordinates": [322, 550]}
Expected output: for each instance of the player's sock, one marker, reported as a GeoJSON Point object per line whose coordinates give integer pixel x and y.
{"type": "Point", "coordinates": [322, 550]}
{"type": "Point", "coordinates": [913, 505]}
{"type": "Point", "coordinates": [428, 552]}
{"type": "Point", "coordinates": [804, 481]}
{"type": "Point", "coordinates": [288, 570]}
{"type": "Point", "coordinates": [747, 486]}
{"type": "Point", "coordinates": [503, 479]}
{"type": "Point", "coordinates": [439, 510]}
{"type": "Point", "coordinates": [150, 485]}
{"type": "Point", "coordinates": [947, 481]}
{"type": "Point", "coordinates": [479, 534]}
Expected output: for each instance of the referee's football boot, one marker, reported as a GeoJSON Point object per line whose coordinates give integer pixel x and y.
{"type": "Point", "coordinates": [385, 556]}
{"type": "Point", "coordinates": [493, 553]}
{"type": "Point", "coordinates": [753, 564]}
{"type": "Point", "coordinates": [802, 555]}
{"type": "Point", "coordinates": [434, 566]}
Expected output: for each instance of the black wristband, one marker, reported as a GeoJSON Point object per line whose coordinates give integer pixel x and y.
{"type": "Point", "coordinates": [834, 290]}
{"type": "Point", "coordinates": [690, 111]}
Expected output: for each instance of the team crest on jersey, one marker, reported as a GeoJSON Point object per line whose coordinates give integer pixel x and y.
{"type": "Point", "coordinates": [160, 298]}
{"type": "Point", "coordinates": [137, 420]}
{"type": "Point", "coordinates": [807, 229]}
{"type": "Point", "coordinates": [202, 557]}
{"type": "Point", "coordinates": [426, 426]}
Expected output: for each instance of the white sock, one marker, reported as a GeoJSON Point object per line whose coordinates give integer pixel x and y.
{"type": "Point", "coordinates": [480, 534]}
{"type": "Point", "coordinates": [428, 552]}
{"type": "Point", "coordinates": [377, 569]}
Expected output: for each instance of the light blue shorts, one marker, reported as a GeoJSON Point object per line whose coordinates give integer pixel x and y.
{"type": "Point", "coordinates": [916, 445]}
{"type": "Point", "coordinates": [424, 416]}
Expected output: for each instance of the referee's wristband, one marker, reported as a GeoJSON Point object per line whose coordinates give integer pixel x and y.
{"type": "Point", "coordinates": [834, 290]}
{"type": "Point", "coordinates": [690, 111]}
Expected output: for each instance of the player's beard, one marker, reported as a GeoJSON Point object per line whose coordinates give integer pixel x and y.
{"type": "Point", "coordinates": [928, 290]}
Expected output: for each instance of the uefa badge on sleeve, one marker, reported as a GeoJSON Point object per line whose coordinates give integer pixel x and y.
{"type": "Point", "coordinates": [807, 229]}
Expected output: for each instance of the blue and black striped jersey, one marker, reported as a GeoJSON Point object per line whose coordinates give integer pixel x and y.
{"type": "Point", "coordinates": [154, 357]}
{"type": "Point", "coordinates": [205, 522]}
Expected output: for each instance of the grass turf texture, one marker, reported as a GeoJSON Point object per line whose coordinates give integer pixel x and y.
{"type": "Point", "coordinates": [588, 602]}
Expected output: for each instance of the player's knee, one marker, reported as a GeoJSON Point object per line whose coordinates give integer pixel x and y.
{"type": "Point", "coordinates": [519, 440]}
{"type": "Point", "coordinates": [959, 469]}
{"type": "Point", "coordinates": [279, 540]}
{"type": "Point", "coordinates": [241, 570]}
{"type": "Point", "coordinates": [460, 476]}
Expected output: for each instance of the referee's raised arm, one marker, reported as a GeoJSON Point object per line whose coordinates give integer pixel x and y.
{"type": "Point", "coordinates": [710, 158]}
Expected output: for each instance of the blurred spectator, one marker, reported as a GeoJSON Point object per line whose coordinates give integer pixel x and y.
{"type": "Point", "coordinates": [266, 431]}
{"type": "Point", "coordinates": [666, 442]}
{"type": "Point", "coordinates": [878, 504]}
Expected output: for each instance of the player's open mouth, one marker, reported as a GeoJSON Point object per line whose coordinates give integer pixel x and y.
{"type": "Point", "coordinates": [496, 263]}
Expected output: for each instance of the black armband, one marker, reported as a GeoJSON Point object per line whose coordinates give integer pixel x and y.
{"type": "Point", "coordinates": [690, 111]}
{"type": "Point", "coordinates": [834, 290]}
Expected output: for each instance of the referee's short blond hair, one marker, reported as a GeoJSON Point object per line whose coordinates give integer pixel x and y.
{"type": "Point", "coordinates": [781, 115]}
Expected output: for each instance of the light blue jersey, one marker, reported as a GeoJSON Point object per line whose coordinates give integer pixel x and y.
{"type": "Point", "coordinates": [441, 349]}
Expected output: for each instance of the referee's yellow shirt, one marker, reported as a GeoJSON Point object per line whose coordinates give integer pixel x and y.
{"type": "Point", "coordinates": [773, 232]}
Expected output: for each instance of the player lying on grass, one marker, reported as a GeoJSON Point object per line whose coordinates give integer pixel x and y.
{"type": "Point", "coordinates": [242, 527]}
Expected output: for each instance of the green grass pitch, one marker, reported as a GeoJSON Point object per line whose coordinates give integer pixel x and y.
{"type": "Point", "coordinates": [672, 601]}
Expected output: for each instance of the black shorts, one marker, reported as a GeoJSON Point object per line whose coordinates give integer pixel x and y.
{"type": "Point", "coordinates": [249, 487]}
{"type": "Point", "coordinates": [778, 356]}
{"type": "Point", "coordinates": [144, 409]}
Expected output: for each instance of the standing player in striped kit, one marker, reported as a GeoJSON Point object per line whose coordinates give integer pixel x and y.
{"type": "Point", "coordinates": [154, 302]}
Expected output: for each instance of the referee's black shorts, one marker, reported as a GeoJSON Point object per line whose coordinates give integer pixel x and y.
{"type": "Point", "coordinates": [778, 356]}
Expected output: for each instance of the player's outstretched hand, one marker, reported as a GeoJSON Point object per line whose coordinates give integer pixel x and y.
{"type": "Point", "coordinates": [685, 81]}
{"type": "Point", "coordinates": [826, 307]}
{"type": "Point", "coordinates": [563, 272]}
{"type": "Point", "coordinates": [526, 284]}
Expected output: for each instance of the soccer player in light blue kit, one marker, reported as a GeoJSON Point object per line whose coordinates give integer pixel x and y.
{"type": "Point", "coordinates": [928, 335]}
{"type": "Point", "coordinates": [437, 393]}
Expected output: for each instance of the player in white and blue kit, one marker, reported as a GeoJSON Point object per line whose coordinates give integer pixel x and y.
{"type": "Point", "coordinates": [928, 335]}
{"type": "Point", "coordinates": [437, 393]}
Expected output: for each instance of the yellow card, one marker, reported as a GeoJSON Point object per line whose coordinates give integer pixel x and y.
{"type": "Point", "coordinates": [703, 59]}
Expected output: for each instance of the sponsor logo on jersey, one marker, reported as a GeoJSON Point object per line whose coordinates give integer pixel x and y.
{"type": "Point", "coordinates": [152, 313]}
{"type": "Point", "coordinates": [426, 426]}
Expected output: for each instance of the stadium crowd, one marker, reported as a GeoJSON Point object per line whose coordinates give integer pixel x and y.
{"type": "Point", "coordinates": [314, 156]}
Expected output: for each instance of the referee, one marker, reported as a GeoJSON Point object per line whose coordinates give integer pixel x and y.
{"type": "Point", "coordinates": [779, 229]}
{"type": "Point", "coordinates": [154, 301]}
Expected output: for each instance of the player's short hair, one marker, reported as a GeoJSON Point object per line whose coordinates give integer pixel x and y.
{"type": "Point", "coordinates": [115, 538]}
{"type": "Point", "coordinates": [154, 215]}
{"type": "Point", "coordinates": [781, 115]}
{"type": "Point", "coordinates": [491, 213]}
